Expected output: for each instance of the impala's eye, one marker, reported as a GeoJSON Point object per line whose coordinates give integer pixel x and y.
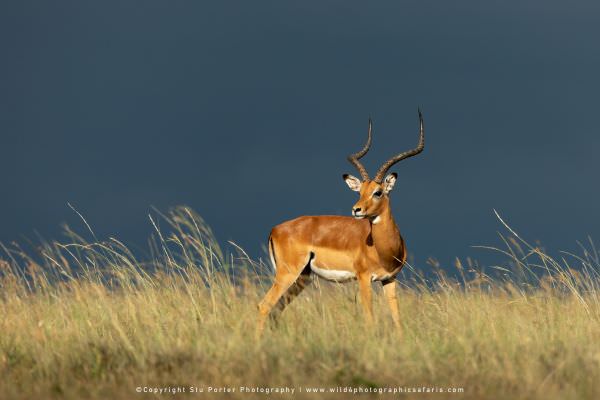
{"type": "Point", "coordinates": [378, 193]}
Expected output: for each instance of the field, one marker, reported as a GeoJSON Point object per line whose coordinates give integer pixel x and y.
{"type": "Point", "coordinates": [86, 319]}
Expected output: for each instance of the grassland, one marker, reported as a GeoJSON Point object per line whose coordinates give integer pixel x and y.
{"type": "Point", "coordinates": [86, 319]}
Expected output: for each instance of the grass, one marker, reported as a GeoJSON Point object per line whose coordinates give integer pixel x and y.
{"type": "Point", "coordinates": [88, 320]}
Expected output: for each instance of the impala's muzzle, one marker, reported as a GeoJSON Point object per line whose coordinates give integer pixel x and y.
{"type": "Point", "coordinates": [358, 213]}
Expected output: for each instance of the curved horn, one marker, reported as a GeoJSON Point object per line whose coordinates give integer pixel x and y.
{"type": "Point", "coordinates": [385, 167]}
{"type": "Point", "coordinates": [353, 158]}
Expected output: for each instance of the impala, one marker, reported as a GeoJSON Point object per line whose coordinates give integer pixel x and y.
{"type": "Point", "coordinates": [367, 246]}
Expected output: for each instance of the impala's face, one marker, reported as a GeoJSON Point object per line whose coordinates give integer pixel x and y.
{"type": "Point", "coordinates": [373, 196]}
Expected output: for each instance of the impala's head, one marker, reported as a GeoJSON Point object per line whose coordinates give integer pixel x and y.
{"type": "Point", "coordinates": [374, 193]}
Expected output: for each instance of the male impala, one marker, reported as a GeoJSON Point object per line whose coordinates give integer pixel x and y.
{"type": "Point", "coordinates": [367, 246]}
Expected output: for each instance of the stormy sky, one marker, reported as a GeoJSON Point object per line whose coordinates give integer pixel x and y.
{"type": "Point", "coordinates": [246, 111]}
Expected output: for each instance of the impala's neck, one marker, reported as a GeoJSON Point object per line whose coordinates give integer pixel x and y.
{"type": "Point", "coordinates": [386, 237]}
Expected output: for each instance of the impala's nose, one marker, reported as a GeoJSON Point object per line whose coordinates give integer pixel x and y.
{"type": "Point", "coordinates": [356, 212]}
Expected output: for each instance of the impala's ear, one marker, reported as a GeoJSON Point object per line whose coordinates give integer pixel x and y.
{"type": "Point", "coordinates": [352, 182]}
{"type": "Point", "coordinates": [388, 182]}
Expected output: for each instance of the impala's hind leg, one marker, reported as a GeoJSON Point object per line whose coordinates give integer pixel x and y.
{"type": "Point", "coordinates": [273, 296]}
{"type": "Point", "coordinates": [297, 287]}
{"type": "Point", "coordinates": [289, 282]}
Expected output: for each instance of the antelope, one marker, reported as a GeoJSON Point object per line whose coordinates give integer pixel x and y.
{"type": "Point", "coordinates": [366, 247]}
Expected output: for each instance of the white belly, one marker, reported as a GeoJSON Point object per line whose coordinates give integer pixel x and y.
{"type": "Point", "coordinates": [385, 276]}
{"type": "Point", "coordinates": [332, 274]}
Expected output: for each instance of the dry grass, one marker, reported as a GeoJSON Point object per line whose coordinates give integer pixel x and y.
{"type": "Point", "coordinates": [88, 320]}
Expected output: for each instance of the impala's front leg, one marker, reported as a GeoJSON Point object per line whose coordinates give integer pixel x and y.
{"type": "Point", "coordinates": [389, 289]}
{"type": "Point", "coordinates": [364, 287]}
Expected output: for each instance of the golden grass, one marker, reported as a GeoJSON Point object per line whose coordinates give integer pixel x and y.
{"type": "Point", "coordinates": [88, 320]}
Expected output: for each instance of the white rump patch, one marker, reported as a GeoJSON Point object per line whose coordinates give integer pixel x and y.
{"type": "Point", "coordinates": [271, 255]}
{"type": "Point", "coordinates": [333, 274]}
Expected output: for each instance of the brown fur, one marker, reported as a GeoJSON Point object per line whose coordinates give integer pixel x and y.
{"type": "Point", "coordinates": [371, 248]}
{"type": "Point", "coordinates": [367, 249]}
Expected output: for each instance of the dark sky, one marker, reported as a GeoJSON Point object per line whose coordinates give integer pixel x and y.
{"type": "Point", "coordinates": [246, 111]}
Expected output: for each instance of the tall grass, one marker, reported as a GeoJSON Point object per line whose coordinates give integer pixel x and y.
{"type": "Point", "coordinates": [87, 319]}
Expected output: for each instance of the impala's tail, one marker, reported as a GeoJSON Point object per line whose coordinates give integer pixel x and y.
{"type": "Point", "coordinates": [272, 254]}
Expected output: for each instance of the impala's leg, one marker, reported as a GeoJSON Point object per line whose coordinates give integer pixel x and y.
{"type": "Point", "coordinates": [364, 287]}
{"type": "Point", "coordinates": [280, 286]}
{"type": "Point", "coordinates": [285, 279]}
{"type": "Point", "coordinates": [297, 287]}
{"type": "Point", "coordinates": [389, 289]}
